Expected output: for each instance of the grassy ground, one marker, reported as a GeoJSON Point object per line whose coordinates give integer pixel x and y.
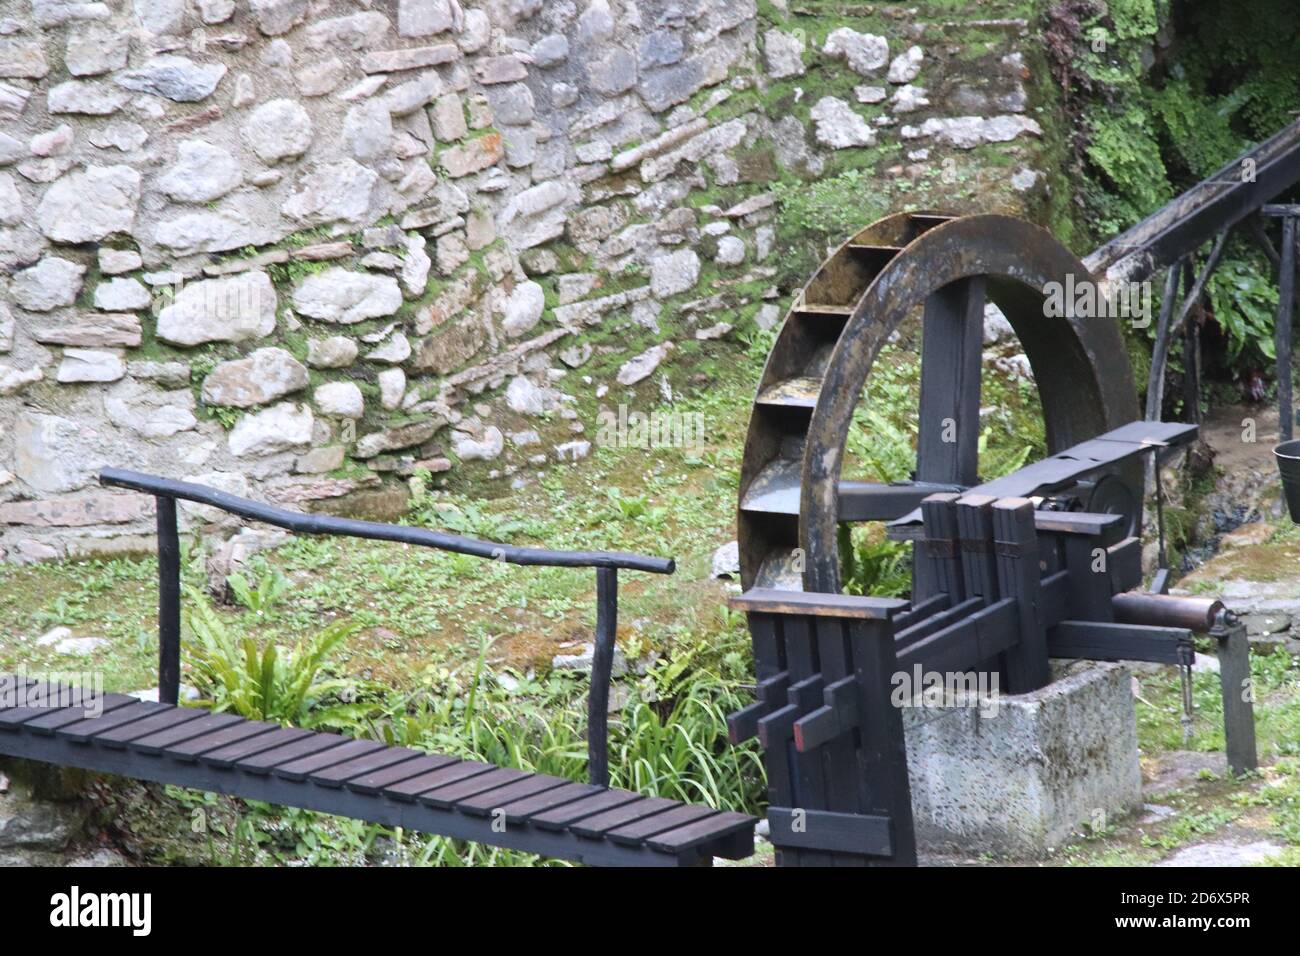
{"type": "Point", "coordinates": [433, 630]}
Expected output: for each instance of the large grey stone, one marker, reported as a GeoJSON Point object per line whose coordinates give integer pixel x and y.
{"type": "Point", "coordinates": [216, 11]}
{"type": "Point", "coordinates": [392, 387]}
{"type": "Point", "coordinates": [839, 127]}
{"type": "Point", "coordinates": [337, 351]}
{"type": "Point", "coordinates": [643, 366]}
{"type": "Point", "coordinates": [1016, 775]}
{"type": "Point", "coordinates": [279, 129]}
{"type": "Point", "coordinates": [674, 272]}
{"type": "Point", "coordinates": [864, 52]}
{"type": "Point", "coordinates": [523, 309]}
{"type": "Point", "coordinates": [122, 294]}
{"type": "Point", "coordinates": [783, 54]}
{"type": "Point", "coordinates": [93, 329]}
{"type": "Point", "coordinates": [277, 17]}
{"type": "Point", "coordinates": [175, 77]}
{"type": "Point", "coordinates": [264, 376]}
{"type": "Point", "coordinates": [422, 18]}
{"type": "Point", "coordinates": [340, 295]}
{"type": "Point", "coordinates": [55, 13]}
{"type": "Point", "coordinates": [337, 192]}
{"type": "Point", "coordinates": [15, 380]}
{"type": "Point", "coordinates": [551, 50]}
{"type": "Point", "coordinates": [368, 130]}
{"type": "Point", "coordinates": [49, 455]}
{"type": "Point", "coordinates": [415, 267]}
{"type": "Point", "coordinates": [341, 399]}
{"type": "Point", "coordinates": [149, 412]}
{"type": "Point", "coordinates": [512, 105]}
{"type": "Point", "coordinates": [232, 309]}
{"type": "Point", "coordinates": [213, 231]}
{"type": "Point", "coordinates": [282, 427]}
{"type": "Point", "coordinates": [90, 204]}
{"type": "Point", "coordinates": [85, 97]}
{"type": "Point", "coordinates": [22, 59]}
{"type": "Point", "coordinates": [906, 66]}
{"type": "Point", "coordinates": [396, 438]}
{"type": "Point", "coordinates": [13, 100]}
{"type": "Point", "coordinates": [356, 31]}
{"type": "Point", "coordinates": [90, 365]}
{"type": "Point", "coordinates": [51, 283]}
{"type": "Point", "coordinates": [613, 73]}
{"type": "Point", "coordinates": [160, 16]}
{"type": "Point", "coordinates": [487, 448]}
{"type": "Point", "coordinates": [202, 172]}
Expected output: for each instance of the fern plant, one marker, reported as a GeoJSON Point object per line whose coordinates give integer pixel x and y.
{"type": "Point", "coordinates": [261, 681]}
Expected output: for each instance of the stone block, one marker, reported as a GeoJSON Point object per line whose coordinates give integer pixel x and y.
{"type": "Point", "coordinates": [1018, 779]}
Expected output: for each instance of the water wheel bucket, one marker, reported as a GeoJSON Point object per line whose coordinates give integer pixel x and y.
{"type": "Point", "coordinates": [1288, 464]}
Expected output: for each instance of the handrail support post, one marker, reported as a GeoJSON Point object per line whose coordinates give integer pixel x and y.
{"type": "Point", "coordinates": [169, 602]}
{"type": "Point", "coordinates": [602, 668]}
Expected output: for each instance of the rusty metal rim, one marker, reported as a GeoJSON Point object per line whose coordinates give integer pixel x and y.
{"type": "Point", "coordinates": [1080, 365]}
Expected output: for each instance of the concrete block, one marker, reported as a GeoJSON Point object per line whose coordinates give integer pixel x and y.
{"type": "Point", "coordinates": [1017, 779]}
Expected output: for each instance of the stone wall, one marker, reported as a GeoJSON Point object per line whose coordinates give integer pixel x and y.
{"type": "Point", "coordinates": [299, 249]}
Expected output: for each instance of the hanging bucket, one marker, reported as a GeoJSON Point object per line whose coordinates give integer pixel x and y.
{"type": "Point", "coordinates": [1288, 464]}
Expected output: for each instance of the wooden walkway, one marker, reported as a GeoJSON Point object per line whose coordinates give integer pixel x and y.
{"type": "Point", "coordinates": [394, 786]}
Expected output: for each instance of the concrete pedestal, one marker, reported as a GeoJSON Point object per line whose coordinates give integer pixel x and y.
{"type": "Point", "coordinates": [1018, 781]}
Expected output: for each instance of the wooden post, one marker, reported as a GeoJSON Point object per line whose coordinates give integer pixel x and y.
{"type": "Point", "coordinates": [1016, 541]}
{"type": "Point", "coordinates": [602, 671]}
{"type": "Point", "coordinates": [882, 756]}
{"type": "Point", "coordinates": [1238, 692]}
{"type": "Point", "coordinates": [939, 514]}
{"type": "Point", "coordinates": [169, 602]}
{"type": "Point", "coordinates": [1282, 330]}
{"type": "Point", "coordinates": [1191, 359]}
{"type": "Point", "coordinates": [952, 336]}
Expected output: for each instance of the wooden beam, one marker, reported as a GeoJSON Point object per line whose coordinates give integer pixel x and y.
{"type": "Point", "coordinates": [774, 601]}
{"type": "Point", "coordinates": [1098, 641]}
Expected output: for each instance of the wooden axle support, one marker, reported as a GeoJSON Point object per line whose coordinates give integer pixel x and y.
{"type": "Point", "coordinates": [1016, 586]}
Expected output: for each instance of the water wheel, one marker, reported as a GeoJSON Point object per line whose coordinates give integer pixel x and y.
{"type": "Point", "coordinates": [792, 497]}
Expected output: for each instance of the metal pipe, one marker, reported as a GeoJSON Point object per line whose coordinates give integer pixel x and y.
{"type": "Point", "coordinates": [602, 670]}
{"type": "Point", "coordinates": [1166, 610]}
{"type": "Point", "coordinates": [169, 603]}
{"type": "Point", "coordinates": [328, 524]}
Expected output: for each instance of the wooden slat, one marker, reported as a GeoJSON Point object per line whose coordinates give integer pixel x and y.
{"type": "Point", "coordinates": [520, 810]}
{"type": "Point", "coordinates": [36, 693]}
{"type": "Point", "coordinates": [171, 717]}
{"type": "Point", "coordinates": [484, 803]}
{"type": "Point", "coordinates": [450, 794]}
{"type": "Point", "coordinates": [92, 726]}
{"type": "Point", "coordinates": [828, 605]}
{"type": "Point", "coordinates": [156, 742]}
{"type": "Point", "coordinates": [299, 769]}
{"type": "Point", "coordinates": [53, 720]}
{"type": "Point", "coordinates": [561, 817]}
{"type": "Point", "coordinates": [251, 746]}
{"type": "Point", "coordinates": [635, 833]}
{"type": "Point", "coordinates": [366, 764]}
{"type": "Point", "coordinates": [409, 788]}
{"type": "Point", "coordinates": [220, 739]}
{"type": "Point", "coordinates": [594, 826]}
{"type": "Point", "coordinates": [267, 760]}
{"type": "Point", "coordinates": [378, 777]}
{"type": "Point", "coordinates": [715, 827]}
